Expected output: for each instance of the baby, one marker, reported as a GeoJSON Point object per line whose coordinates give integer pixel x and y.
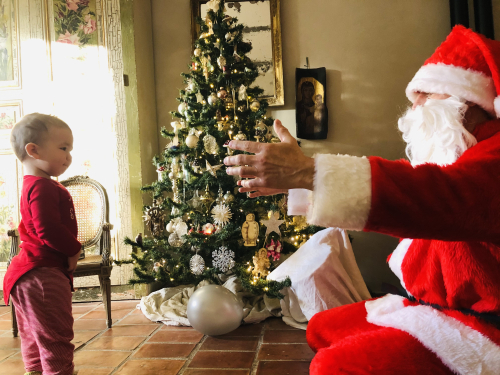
{"type": "Point", "coordinates": [39, 280]}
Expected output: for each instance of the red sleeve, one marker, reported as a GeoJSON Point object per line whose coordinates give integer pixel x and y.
{"type": "Point", "coordinates": [44, 201]}
{"type": "Point", "coordinates": [459, 202]}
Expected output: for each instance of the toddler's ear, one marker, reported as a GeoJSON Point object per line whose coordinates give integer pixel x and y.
{"type": "Point", "coordinates": [32, 150]}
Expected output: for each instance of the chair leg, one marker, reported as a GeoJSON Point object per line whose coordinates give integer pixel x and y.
{"type": "Point", "coordinates": [106, 295]}
{"type": "Point", "coordinates": [14, 320]}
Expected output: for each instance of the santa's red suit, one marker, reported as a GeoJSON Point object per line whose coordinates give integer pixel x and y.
{"type": "Point", "coordinates": [449, 220]}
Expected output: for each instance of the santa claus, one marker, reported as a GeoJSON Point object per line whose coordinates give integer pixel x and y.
{"type": "Point", "coordinates": [444, 204]}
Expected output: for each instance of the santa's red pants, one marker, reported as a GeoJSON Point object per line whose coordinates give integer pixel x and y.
{"type": "Point", "coordinates": [345, 343]}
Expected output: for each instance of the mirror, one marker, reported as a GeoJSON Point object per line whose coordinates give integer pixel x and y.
{"type": "Point", "coordinates": [263, 30]}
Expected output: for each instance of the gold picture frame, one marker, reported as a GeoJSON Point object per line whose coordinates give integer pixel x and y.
{"type": "Point", "coordinates": [9, 45]}
{"type": "Point", "coordinates": [269, 59]}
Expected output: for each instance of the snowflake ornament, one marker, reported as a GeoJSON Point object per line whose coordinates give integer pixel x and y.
{"type": "Point", "coordinates": [223, 259]}
{"type": "Point", "coordinates": [221, 214]}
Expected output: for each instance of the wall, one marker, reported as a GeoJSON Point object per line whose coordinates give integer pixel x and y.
{"type": "Point", "coordinates": [371, 50]}
{"type": "Point", "coordinates": [138, 65]}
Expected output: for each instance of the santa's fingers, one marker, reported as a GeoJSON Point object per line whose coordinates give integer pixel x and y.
{"type": "Point", "coordinates": [242, 171]}
{"type": "Point", "coordinates": [241, 159]}
{"type": "Point", "coordinates": [263, 191]}
{"type": "Point", "coordinates": [252, 147]}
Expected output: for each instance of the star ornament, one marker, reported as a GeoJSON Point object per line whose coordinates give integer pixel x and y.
{"type": "Point", "coordinates": [273, 224]}
{"type": "Point", "coordinates": [212, 169]}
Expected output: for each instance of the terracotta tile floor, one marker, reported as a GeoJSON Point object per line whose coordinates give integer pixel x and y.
{"type": "Point", "coordinates": [136, 346]}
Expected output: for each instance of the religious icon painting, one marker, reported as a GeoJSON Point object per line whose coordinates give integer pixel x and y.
{"type": "Point", "coordinates": [311, 111]}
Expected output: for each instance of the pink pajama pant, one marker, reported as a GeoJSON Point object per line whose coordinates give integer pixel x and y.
{"type": "Point", "coordinates": [42, 300]}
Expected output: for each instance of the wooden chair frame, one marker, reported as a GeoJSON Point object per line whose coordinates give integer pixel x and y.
{"type": "Point", "coordinates": [101, 268]}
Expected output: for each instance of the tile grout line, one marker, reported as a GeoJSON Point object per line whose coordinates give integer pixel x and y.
{"type": "Point", "coordinates": [192, 354]}
{"type": "Point", "coordinates": [99, 335]}
{"type": "Point", "coordinates": [129, 357]}
{"type": "Point", "coordinates": [255, 363]}
{"type": "Point", "coordinates": [132, 352]}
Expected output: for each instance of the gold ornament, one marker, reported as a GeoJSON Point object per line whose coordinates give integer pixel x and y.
{"type": "Point", "coordinates": [228, 197]}
{"type": "Point", "coordinates": [222, 93]}
{"type": "Point", "coordinates": [240, 136]}
{"type": "Point", "coordinates": [212, 169]}
{"type": "Point", "coordinates": [299, 222]}
{"type": "Point", "coordinates": [255, 106]}
{"type": "Point", "coordinates": [229, 103]}
{"type": "Point", "coordinates": [261, 264]}
{"type": "Point", "coordinates": [250, 230]}
{"type": "Point", "coordinates": [207, 199]}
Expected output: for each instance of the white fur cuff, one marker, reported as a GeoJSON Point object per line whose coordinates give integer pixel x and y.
{"type": "Point", "coordinates": [342, 192]}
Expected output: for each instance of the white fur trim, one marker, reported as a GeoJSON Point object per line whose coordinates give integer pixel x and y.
{"type": "Point", "coordinates": [496, 103]}
{"type": "Point", "coordinates": [467, 84]}
{"type": "Point", "coordinates": [298, 201]}
{"type": "Point", "coordinates": [342, 192]}
{"type": "Point", "coordinates": [461, 348]}
{"type": "Point", "coordinates": [397, 259]}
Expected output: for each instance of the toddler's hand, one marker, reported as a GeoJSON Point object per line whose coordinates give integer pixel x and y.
{"type": "Point", "coordinates": [72, 261]}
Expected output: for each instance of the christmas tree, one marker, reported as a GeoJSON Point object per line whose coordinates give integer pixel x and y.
{"type": "Point", "coordinates": [212, 229]}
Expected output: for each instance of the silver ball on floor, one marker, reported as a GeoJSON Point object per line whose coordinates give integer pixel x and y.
{"type": "Point", "coordinates": [214, 310]}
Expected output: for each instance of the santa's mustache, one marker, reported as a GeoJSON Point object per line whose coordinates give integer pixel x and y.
{"type": "Point", "coordinates": [434, 132]}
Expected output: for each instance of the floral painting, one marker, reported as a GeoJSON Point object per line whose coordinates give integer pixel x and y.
{"type": "Point", "coordinates": [75, 22]}
{"type": "Point", "coordinates": [7, 120]}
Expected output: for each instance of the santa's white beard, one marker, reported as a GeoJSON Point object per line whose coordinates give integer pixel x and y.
{"type": "Point", "coordinates": [434, 132]}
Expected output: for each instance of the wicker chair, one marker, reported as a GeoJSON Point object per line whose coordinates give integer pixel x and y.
{"type": "Point", "coordinates": [92, 214]}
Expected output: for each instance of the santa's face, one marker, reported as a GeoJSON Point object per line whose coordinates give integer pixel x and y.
{"type": "Point", "coordinates": [434, 131]}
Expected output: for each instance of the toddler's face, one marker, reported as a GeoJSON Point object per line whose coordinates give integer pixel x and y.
{"type": "Point", "coordinates": [55, 151]}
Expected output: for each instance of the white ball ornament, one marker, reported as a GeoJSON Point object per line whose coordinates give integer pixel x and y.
{"type": "Point", "coordinates": [197, 52]}
{"type": "Point", "coordinates": [214, 310]}
{"type": "Point", "coordinates": [170, 227]}
{"type": "Point", "coordinates": [182, 108]}
{"type": "Point", "coordinates": [212, 99]}
{"type": "Point", "coordinates": [192, 140]}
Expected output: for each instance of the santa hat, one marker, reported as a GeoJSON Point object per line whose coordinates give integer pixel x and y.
{"type": "Point", "coordinates": [466, 65]}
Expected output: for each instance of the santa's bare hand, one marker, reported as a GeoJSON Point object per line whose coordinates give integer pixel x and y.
{"type": "Point", "coordinates": [260, 192]}
{"type": "Point", "coordinates": [274, 166]}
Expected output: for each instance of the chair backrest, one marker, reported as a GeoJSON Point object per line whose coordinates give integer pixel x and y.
{"type": "Point", "coordinates": [91, 208]}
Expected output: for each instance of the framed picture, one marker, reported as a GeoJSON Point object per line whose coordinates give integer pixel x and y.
{"type": "Point", "coordinates": [9, 44]}
{"type": "Point", "coordinates": [311, 110]}
{"type": "Point", "coordinates": [263, 30]}
{"type": "Point", "coordinates": [10, 113]}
